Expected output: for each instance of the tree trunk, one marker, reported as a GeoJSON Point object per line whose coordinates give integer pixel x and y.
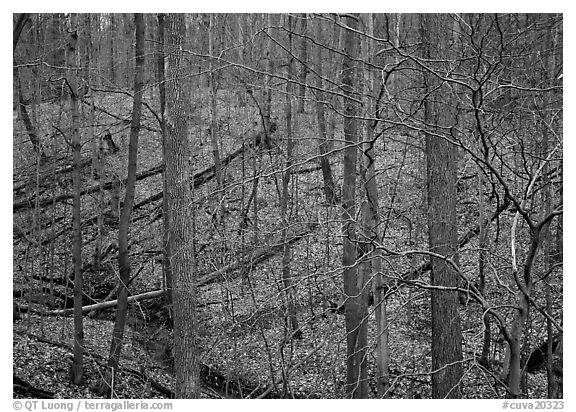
{"type": "Point", "coordinates": [77, 370]}
{"type": "Point", "coordinates": [355, 305]}
{"type": "Point", "coordinates": [25, 116]}
{"type": "Point", "coordinates": [113, 29]}
{"type": "Point", "coordinates": [214, 132]}
{"type": "Point", "coordinates": [372, 266]}
{"type": "Point", "coordinates": [267, 106]}
{"type": "Point", "coordinates": [484, 225]}
{"type": "Point", "coordinates": [123, 252]}
{"type": "Point", "coordinates": [547, 243]}
{"type": "Point", "coordinates": [291, 318]}
{"type": "Point", "coordinates": [186, 356]}
{"type": "Point", "coordinates": [329, 188]}
{"type": "Point", "coordinates": [303, 66]}
{"type": "Point", "coordinates": [18, 27]}
{"type": "Point", "coordinates": [22, 105]}
{"type": "Point", "coordinates": [443, 240]}
{"type": "Point", "coordinates": [161, 80]}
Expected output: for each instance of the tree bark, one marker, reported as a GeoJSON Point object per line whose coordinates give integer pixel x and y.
{"type": "Point", "coordinates": [123, 252]}
{"type": "Point", "coordinates": [443, 240]}
{"type": "Point", "coordinates": [18, 27]}
{"type": "Point", "coordinates": [77, 370]}
{"type": "Point", "coordinates": [291, 317]}
{"type": "Point", "coordinates": [372, 266]}
{"type": "Point", "coordinates": [329, 188]}
{"type": "Point", "coordinates": [186, 365]}
{"type": "Point", "coordinates": [161, 80]}
{"type": "Point", "coordinates": [355, 304]}
{"type": "Point", "coordinates": [303, 67]}
{"type": "Point", "coordinates": [267, 106]}
{"type": "Point", "coordinates": [482, 263]}
{"type": "Point", "coordinates": [213, 105]}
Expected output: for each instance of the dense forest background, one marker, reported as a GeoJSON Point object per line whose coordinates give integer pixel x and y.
{"type": "Point", "coordinates": [287, 206]}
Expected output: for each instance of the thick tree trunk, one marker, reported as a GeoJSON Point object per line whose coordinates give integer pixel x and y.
{"type": "Point", "coordinates": [123, 252]}
{"type": "Point", "coordinates": [18, 27]}
{"type": "Point", "coordinates": [25, 116]}
{"type": "Point", "coordinates": [186, 365]}
{"type": "Point", "coordinates": [443, 240]}
{"type": "Point", "coordinates": [355, 305]}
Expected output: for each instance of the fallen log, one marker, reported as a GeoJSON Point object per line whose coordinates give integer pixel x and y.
{"type": "Point", "coordinates": [100, 360]}
{"type": "Point", "coordinates": [204, 176]}
{"type": "Point", "coordinates": [212, 380]}
{"type": "Point", "coordinates": [258, 256]}
{"type": "Point", "coordinates": [199, 179]}
{"type": "Point", "coordinates": [21, 387]}
{"type": "Point", "coordinates": [108, 304]}
{"type": "Point", "coordinates": [31, 202]}
{"type": "Point", "coordinates": [426, 266]}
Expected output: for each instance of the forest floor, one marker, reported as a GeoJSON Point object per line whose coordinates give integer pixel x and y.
{"type": "Point", "coordinates": [243, 336]}
{"type": "Point", "coordinates": [314, 366]}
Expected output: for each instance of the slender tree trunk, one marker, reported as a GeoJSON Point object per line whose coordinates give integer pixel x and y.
{"type": "Point", "coordinates": [484, 225]}
{"type": "Point", "coordinates": [77, 370]}
{"type": "Point", "coordinates": [514, 354]}
{"type": "Point", "coordinates": [354, 284]}
{"type": "Point", "coordinates": [267, 106]}
{"type": "Point", "coordinates": [303, 67]}
{"type": "Point", "coordinates": [372, 267]}
{"type": "Point", "coordinates": [166, 256]}
{"type": "Point", "coordinates": [329, 188]}
{"type": "Point", "coordinates": [186, 356]}
{"type": "Point", "coordinates": [123, 252]}
{"type": "Point", "coordinates": [214, 132]}
{"type": "Point", "coordinates": [292, 320]}
{"type": "Point", "coordinates": [113, 70]}
{"type": "Point", "coordinates": [443, 240]}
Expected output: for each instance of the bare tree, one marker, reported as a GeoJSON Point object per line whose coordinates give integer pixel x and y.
{"type": "Point", "coordinates": [292, 319]}
{"type": "Point", "coordinates": [443, 239]}
{"type": "Point", "coordinates": [371, 267]}
{"type": "Point", "coordinates": [77, 370]}
{"type": "Point", "coordinates": [329, 188]}
{"type": "Point", "coordinates": [186, 356]}
{"type": "Point", "coordinates": [354, 284]}
{"type": "Point", "coordinates": [105, 387]}
{"type": "Point", "coordinates": [161, 80]}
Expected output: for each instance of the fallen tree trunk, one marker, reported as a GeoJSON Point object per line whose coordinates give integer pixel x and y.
{"type": "Point", "coordinates": [30, 202]}
{"type": "Point", "coordinates": [21, 387]}
{"type": "Point", "coordinates": [199, 179]}
{"type": "Point", "coordinates": [108, 304]}
{"type": "Point", "coordinates": [426, 266]}
{"type": "Point", "coordinates": [214, 382]}
{"type": "Point", "coordinates": [48, 176]}
{"type": "Point", "coordinates": [258, 256]}
{"type": "Point", "coordinates": [99, 359]}
{"type": "Point", "coordinates": [202, 177]}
